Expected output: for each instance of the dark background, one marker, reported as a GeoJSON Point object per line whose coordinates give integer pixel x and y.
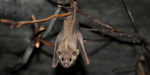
{"type": "Point", "coordinates": [106, 53]}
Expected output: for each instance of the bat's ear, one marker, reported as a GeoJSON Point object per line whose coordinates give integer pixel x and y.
{"type": "Point", "coordinates": [75, 53]}
{"type": "Point", "coordinates": [58, 53]}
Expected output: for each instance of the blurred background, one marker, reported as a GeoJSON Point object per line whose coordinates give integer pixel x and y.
{"type": "Point", "coordinates": [106, 53]}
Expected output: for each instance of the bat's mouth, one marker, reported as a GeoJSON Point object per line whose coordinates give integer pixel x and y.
{"type": "Point", "coordinates": [66, 65]}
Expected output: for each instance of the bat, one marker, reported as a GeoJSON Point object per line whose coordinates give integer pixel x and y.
{"type": "Point", "coordinates": [69, 42]}
{"type": "Point", "coordinates": [143, 66]}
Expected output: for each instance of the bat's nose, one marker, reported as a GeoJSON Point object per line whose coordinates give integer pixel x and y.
{"type": "Point", "coordinates": [66, 65]}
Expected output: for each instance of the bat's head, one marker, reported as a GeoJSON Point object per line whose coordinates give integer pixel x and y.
{"type": "Point", "coordinates": [67, 58]}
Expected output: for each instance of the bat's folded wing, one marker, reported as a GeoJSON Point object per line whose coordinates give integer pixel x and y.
{"type": "Point", "coordinates": [80, 46]}
{"type": "Point", "coordinates": [55, 60]}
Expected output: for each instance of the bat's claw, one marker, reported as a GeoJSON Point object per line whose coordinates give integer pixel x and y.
{"type": "Point", "coordinates": [88, 63]}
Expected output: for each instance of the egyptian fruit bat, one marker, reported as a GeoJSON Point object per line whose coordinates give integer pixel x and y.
{"type": "Point", "coordinates": [69, 42]}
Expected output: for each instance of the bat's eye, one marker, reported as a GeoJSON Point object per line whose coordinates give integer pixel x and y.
{"type": "Point", "coordinates": [70, 59]}
{"type": "Point", "coordinates": [62, 59]}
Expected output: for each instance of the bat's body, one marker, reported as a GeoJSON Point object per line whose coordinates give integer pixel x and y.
{"type": "Point", "coordinates": [69, 42]}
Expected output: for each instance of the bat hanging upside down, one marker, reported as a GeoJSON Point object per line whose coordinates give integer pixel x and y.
{"type": "Point", "coordinates": [69, 42]}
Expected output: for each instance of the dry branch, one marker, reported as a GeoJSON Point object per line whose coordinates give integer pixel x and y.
{"type": "Point", "coordinates": [19, 24]}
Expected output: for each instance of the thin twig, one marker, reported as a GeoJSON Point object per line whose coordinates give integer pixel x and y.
{"type": "Point", "coordinates": [35, 31]}
{"type": "Point", "coordinates": [39, 36]}
{"type": "Point", "coordinates": [47, 43]}
{"type": "Point", "coordinates": [100, 36]}
{"type": "Point", "coordinates": [106, 25]}
{"type": "Point", "coordinates": [95, 29]}
{"type": "Point", "coordinates": [19, 24]}
{"type": "Point", "coordinates": [94, 19]}
{"type": "Point", "coordinates": [144, 40]}
{"type": "Point", "coordinates": [64, 7]}
{"type": "Point", "coordinates": [121, 68]}
{"type": "Point", "coordinates": [132, 19]}
{"type": "Point", "coordinates": [35, 24]}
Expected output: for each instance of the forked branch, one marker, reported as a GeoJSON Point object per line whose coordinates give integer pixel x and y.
{"type": "Point", "coordinates": [19, 24]}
